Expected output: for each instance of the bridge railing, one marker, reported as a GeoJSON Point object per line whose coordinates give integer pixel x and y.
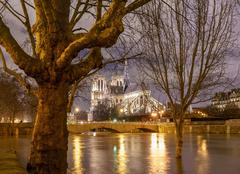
{"type": "Point", "coordinates": [114, 122]}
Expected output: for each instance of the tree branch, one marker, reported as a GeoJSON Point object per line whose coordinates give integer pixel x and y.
{"type": "Point", "coordinates": [28, 27]}
{"type": "Point", "coordinates": [18, 76]}
{"type": "Point", "coordinates": [135, 5]}
{"type": "Point", "coordinates": [103, 34]}
{"type": "Point", "coordinates": [30, 65]}
{"type": "Point", "coordinates": [81, 69]}
{"type": "Point", "coordinates": [78, 15]}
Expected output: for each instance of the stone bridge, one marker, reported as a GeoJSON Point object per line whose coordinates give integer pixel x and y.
{"type": "Point", "coordinates": [121, 127]}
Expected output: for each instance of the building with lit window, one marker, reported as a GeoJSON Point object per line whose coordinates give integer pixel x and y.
{"type": "Point", "coordinates": [223, 99]}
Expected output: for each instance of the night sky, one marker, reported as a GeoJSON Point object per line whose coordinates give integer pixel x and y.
{"type": "Point", "coordinates": [232, 59]}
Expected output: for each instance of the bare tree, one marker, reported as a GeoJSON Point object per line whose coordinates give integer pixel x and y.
{"type": "Point", "coordinates": [56, 36]}
{"type": "Point", "coordinates": [14, 101]}
{"type": "Point", "coordinates": [185, 45]}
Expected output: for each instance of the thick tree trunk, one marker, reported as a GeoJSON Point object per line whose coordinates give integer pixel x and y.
{"type": "Point", "coordinates": [179, 141]}
{"type": "Point", "coordinates": [50, 136]}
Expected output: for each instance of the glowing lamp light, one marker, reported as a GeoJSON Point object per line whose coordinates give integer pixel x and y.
{"type": "Point", "coordinates": [161, 112]}
{"type": "Point", "coordinates": [121, 110]}
{"type": "Point", "coordinates": [154, 114]}
{"type": "Point", "coordinates": [114, 148]}
{"type": "Point", "coordinates": [76, 109]}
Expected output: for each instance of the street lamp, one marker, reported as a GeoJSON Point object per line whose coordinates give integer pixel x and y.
{"type": "Point", "coordinates": [76, 109]}
{"type": "Point", "coordinates": [76, 114]}
{"type": "Point", "coordinates": [161, 113]}
{"type": "Point", "coordinates": [153, 114]}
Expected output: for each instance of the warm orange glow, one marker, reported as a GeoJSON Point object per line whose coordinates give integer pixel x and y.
{"type": "Point", "coordinates": [121, 110]}
{"type": "Point", "coordinates": [154, 114]}
{"type": "Point", "coordinates": [77, 109]}
{"type": "Point", "coordinates": [122, 159]}
{"type": "Point", "coordinates": [77, 154]}
{"type": "Point", "coordinates": [158, 154]}
{"type": "Point", "coordinates": [202, 154]}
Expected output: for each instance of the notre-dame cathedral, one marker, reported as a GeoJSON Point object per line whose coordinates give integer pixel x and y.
{"type": "Point", "coordinates": [117, 91]}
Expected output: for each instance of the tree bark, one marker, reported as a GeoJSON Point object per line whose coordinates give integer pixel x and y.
{"type": "Point", "coordinates": [179, 141]}
{"type": "Point", "coordinates": [50, 135]}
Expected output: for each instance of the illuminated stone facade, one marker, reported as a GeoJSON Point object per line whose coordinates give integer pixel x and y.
{"type": "Point", "coordinates": [118, 92]}
{"type": "Point", "coordinates": [223, 99]}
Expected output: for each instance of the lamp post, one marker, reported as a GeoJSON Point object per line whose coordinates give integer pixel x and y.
{"type": "Point", "coordinates": [76, 113]}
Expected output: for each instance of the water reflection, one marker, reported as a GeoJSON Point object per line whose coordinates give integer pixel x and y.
{"type": "Point", "coordinates": [202, 155]}
{"type": "Point", "coordinates": [143, 154]}
{"type": "Point", "coordinates": [122, 166]}
{"type": "Point", "coordinates": [179, 166]}
{"type": "Point", "coordinates": [159, 159]}
{"type": "Point", "coordinates": [77, 155]}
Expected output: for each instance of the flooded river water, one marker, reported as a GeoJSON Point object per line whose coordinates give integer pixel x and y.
{"type": "Point", "coordinates": [143, 153]}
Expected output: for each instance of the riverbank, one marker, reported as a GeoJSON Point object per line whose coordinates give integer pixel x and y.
{"type": "Point", "coordinates": [9, 163]}
{"type": "Point", "coordinates": [204, 127]}
{"type": "Point", "coordinates": [15, 129]}
{"type": "Point", "coordinates": [199, 127]}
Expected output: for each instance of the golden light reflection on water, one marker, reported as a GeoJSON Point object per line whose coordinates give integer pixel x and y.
{"type": "Point", "coordinates": [77, 155]}
{"type": "Point", "coordinates": [202, 154]}
{"type": "Point", "coordinates": [159, 159]}
{"type": "Point", "coordinates": [202, 147]}
{"type": "Point", "coordinates": [122, 159]}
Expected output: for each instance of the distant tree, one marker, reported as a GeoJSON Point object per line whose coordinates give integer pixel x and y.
{"type": "Point", "coordinates": [114, 112]}
{"type": "Point", "coordinates": [102, 111]}
{"type": "Point", "coordinates": [30, 105]}
{"type": "Point", "coordinates": [11, 97]}
{"type": "Point", "coordinates": [82, 115]}
{"type": "Point", "coordinates": [185, 43]}
{"type": "Point", "coordinates": [14, 101]}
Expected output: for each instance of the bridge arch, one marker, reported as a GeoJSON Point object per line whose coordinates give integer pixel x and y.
{"type": "Point", "coordinates": [142, 129]}
{"type": "Point", "coordinates": [102, 129]}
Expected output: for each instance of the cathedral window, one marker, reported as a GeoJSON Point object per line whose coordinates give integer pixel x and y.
{"type": "Point", "coordinates": [141, 100]}
{"type": "Point", "coordinates": [99, 85]}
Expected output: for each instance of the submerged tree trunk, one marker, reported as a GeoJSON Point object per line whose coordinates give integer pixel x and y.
{"type": "Point", "coordinates": [50, 136]}
{"type": "Point", "coordinates": [179, 140]}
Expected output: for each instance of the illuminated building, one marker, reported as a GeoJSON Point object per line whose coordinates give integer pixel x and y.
{"type": "Point", "coordinates": [119, 92]}
{"type": "Point", "coordinates": [223, 99]}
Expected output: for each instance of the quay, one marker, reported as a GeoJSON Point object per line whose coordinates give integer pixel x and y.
{"type": "Point", "coordinates": [9, 163]}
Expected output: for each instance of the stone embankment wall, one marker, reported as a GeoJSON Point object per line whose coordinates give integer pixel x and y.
{"type": "Point", "coordinates": [212, 127]}
{"type": "Point", "coordinates": [222, 127]}
{"type": "Point", "coordinates": [15, 129]}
